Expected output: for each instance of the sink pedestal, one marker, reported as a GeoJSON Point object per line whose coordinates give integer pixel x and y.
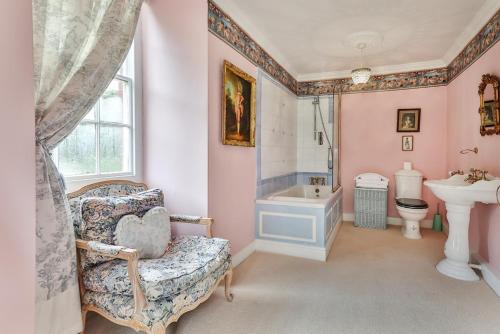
{"type": "Point", "coordinates": [460, 197]}
{"type": "Point", "coordinates": [456, 249]}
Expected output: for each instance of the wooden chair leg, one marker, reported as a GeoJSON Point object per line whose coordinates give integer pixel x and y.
{"type": "Point", "coordinates": [227, 285]}
{"type": "Point", "coordinates": [84, 318]}
{"type": "Point", "coordinates": [158, 328]}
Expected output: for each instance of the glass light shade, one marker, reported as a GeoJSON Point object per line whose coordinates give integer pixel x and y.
{"type": "Point", "coordinates": [361, 75]}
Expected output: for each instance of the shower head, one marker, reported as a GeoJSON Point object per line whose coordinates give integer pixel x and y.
{"type": "Point", "coordinates": [316, 100]}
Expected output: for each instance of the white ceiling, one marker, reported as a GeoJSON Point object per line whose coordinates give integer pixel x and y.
{"type": "Point", "coordinates": [310, 37]}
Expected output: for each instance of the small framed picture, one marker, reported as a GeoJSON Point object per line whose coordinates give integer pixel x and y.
{"type": "Point", "coordinates": [407, 143]}
{"type": "Point", "coordinates": [408, 120]}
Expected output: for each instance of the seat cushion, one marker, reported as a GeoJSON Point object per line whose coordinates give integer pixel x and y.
{"type": "Point", "coordinates": [411, 203]}
{"type": "Point", "coordinates": [101, 214]}
{"type": "Point", "coordinates": [122, 306]}
{"type": "Point", "coordinates": [190, 259]}
{"type": "Point", "coordinates": [108, 189]}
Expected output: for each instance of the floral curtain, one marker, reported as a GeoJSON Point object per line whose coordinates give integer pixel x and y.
{"type": "Point", "coordinates": [78, 47]}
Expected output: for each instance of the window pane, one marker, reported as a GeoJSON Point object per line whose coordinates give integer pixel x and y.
{"type": "Point", "coordinates": [77, 153]}
{"type": "Point", "coordinates": [115, 103]}
{"type": "Point", "coordinates": [91, 115]}
{"type": "Point", "coordinates": [115, 149]}
{"type": "Point", "coordinates": [123, 69]}
{"type": "Point", "coordinates": [127, 67]}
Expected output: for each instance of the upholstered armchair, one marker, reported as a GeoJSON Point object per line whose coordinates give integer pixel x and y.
{"type": "Point", "coordinates": [146, 294]}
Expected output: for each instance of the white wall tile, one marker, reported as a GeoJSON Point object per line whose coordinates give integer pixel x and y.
{"type": "Point", "coordinates": [311, 157]}
{"type": "Point", "coordinates": [287, 142]}
{"type": "Point", "coordinates": [278, 130]}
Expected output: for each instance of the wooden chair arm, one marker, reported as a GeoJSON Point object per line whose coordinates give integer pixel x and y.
{"type": "Point", "coordinates": [123, 252]}
{"type": "Point", "coordinates": [184, 219]}
{"type": "Point", "coordinates": [132, 257]}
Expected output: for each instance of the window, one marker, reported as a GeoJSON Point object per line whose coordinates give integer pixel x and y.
{"type": "Point", "coordinates": [103, 144]}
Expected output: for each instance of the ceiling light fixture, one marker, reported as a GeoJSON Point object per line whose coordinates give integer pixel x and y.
{"type": "Point", "coordinates": [362, 74]}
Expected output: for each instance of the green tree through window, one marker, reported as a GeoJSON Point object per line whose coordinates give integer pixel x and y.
{"type": "Point", "coordinates": [103, 143]}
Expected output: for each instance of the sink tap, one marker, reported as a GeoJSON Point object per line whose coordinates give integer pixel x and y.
{"type": "Point", "coordinates": [476, 175]}
{"type": "Point", "coordinates": [472, 177]}
{"type": "Point", "coordinates": [455, 172]}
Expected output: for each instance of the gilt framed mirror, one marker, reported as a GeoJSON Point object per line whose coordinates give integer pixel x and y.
{"type": "Point", "coordinates": [489, 110]}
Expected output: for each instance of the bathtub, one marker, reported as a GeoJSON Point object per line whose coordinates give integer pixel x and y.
{"type": "Point", "coordinates": [299, 221]}
{"type": "Point", "coordinates": [306, 194]}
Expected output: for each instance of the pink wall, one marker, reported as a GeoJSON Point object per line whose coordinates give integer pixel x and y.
{"type": "Point", "coordinates": [370, 142]}
{"type": "Point", "coordinates": [180, 138]}
{"type": "Point", "coordinates": [231, 169]}
{"type": "Point", "coordinates": [17, 169]}
{"type": "Point", "coordinates": [463, 132]}
{"type": "Point", "coordinates": [175, 130]}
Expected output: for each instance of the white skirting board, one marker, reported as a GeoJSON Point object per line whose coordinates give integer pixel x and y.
{"type": "Point", "coordinates": [348, 217]}
{"type": "Point", "coordinates": [488, 275]}
{"type": "Point", "coordinates": [243, 254]}
{"type": "Point", "coordinates": [426, 223]}
{"type": "Point", "coordinates": [308, 252]}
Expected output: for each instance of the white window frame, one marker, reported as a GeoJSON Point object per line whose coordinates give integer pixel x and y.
{"type": "Point", "coordinates": [74, 182]}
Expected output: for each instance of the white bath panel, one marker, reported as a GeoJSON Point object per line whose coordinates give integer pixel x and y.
{"type": "Point", "coordinates": [303, 251]}
{"type": "Point", "coordinates": [299, 219]}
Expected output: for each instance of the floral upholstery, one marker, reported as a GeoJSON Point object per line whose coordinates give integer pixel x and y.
{"type": "Point", "coordinates": [190, 259]}
{"type": "Point", "coordinates": [115, 189]}
{"type": "Point", "coordinates": [100, 215]}
{"type": "Point", "coordinates": [97, 246]}
{"type": "Point", "coordinates": [122, 306]}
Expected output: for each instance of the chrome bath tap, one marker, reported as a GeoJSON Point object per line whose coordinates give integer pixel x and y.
{"type": "Point", "coordinates": [317, 181]}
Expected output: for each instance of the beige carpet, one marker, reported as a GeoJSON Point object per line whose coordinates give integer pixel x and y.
{"type": "Point", "coordinates": [373, 282]}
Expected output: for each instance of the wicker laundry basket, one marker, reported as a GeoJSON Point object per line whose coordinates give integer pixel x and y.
{"type": "Point", "coordinates": [370, 201]}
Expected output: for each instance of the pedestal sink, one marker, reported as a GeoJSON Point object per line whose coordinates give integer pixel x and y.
{"type": "Point", "coordinates": [460, 197]}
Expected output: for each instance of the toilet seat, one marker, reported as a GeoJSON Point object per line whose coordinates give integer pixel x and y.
{"type": "Point", "coordinates": [411, 203]}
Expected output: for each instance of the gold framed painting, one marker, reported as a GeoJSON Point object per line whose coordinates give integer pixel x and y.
{"type": "Point", "coordinates": [408, 120]}
{"type": "Point", "coordinates": [489, 105]}
{"type": "Point", "coordinates": [238, 107]}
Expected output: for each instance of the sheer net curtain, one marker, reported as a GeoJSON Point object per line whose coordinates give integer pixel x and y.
{"type": "Point", "coordinates": [78, 48]}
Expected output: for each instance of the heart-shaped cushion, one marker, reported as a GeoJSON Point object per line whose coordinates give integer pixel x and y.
{"type": "Point", "coordinates": [149, 235]}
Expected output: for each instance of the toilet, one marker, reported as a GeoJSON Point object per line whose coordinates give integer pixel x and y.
{"type": "Point", "coordinates": [409, 201]}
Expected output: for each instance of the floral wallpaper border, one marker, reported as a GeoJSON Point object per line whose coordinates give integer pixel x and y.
{"type": "Point", "coordinates": [406, 80]}
{"type": "Point", "coordinates": [223, 26]}
{"type": "Point", "coordinates": [484, 39]}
